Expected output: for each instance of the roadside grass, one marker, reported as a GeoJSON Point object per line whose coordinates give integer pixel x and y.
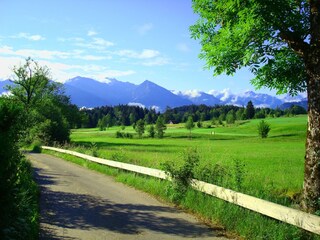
{"type": "Point", "coordinates": [237, 221]}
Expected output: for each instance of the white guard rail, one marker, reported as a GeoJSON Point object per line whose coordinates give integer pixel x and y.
{"type": "Point", "coordinates": [292, 216]}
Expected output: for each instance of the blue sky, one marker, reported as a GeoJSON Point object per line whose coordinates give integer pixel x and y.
{"type": "Point", "coordinates": [123, 39]}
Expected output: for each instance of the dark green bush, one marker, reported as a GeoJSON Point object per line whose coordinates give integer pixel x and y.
{"type": "Point", "coordinates": [18, 201]}
{"type": "Point", "coordinates": [263, 129]}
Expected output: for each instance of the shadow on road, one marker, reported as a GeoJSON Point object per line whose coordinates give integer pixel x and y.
{"type": "Point", "coordinates": [81, 211]}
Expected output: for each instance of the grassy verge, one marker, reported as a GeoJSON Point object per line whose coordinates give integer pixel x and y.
{"type": "Point", "coordinates": [242, 222]}
{"type": "Point", "coordinates": [20, 208]}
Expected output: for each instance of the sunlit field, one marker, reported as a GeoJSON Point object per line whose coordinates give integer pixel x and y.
{"type": "Point", "coordinates": [273, 167]}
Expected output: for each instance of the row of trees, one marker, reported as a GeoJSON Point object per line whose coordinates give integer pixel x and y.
{"type": "Point", "coordinates": [105, 117]}
{"type": "Point", "coordinates": [156, 130]}
{"type": "Point", "coordinates": [125, 115]}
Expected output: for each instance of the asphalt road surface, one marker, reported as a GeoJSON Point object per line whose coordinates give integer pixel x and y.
{"type": "Point", "coordinates": [77, 203]}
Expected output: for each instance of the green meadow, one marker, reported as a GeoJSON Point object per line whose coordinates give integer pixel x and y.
{"type": "Point", "coordinates": [271, 168]}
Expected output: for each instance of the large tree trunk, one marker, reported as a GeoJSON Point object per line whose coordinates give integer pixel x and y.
{"type": "Point", "coordinates": [311, 190]}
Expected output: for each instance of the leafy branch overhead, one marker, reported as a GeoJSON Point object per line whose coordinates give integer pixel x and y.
{"type": "Point", "coordinates": [271, 37]}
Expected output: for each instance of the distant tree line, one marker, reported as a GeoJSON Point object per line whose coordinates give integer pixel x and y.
{"type": "Point", "coordinates": [121, 115]}
{"type": "Point", "coordinates": [124, 115]}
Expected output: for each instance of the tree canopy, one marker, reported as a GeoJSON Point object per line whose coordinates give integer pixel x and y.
{"type": "Point", "coordinates": [265, 35]}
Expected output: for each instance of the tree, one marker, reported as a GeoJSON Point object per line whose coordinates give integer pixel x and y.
{"type": "Point", "coordinates": [240, 114]}
{"type": "Point", "coordinates": [279, 40]}
{"type": "Point", "coordinates": [43, 100]}
{"type": "Point", "coordinates": [189, 125]}
{"type": "Point", "coordinates": [32, 84]}
{"type": "Point", "coordinates": [101, 125]}
{"type": "Point", "coordinates": [160, 127]}
{"type": "Point", "coordinates": [263, 129]}
{"type": "Point", "coordinates": [140, 125]}
{"type": "Point", "coordinates": [250, 110]}
{"type": "Point", "coordinates": [231, 117]}
{"type": "Point", "coordinates": [151, 131]}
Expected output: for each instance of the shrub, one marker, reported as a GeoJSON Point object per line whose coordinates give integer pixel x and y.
{"type": "Point", "coordinates": [181, 175]}
{"type": "Point", "coordinates": [119, 156]}
{"type": "Point", "coordinates": [94, 149]}
{"type": "Point", "coordinates": [124, 135]}
{"type": "Point", "coordinates": [36, 148]}
{"type": "Point", "coordinates": [263, 129]}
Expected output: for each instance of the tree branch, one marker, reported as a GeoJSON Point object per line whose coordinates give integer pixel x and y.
{"type": "Point", "coordinates": [297, 44]}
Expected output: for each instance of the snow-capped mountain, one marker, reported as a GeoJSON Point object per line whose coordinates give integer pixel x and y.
{"type": "Point", "coordinates": [197, 97]}
{"type": "Point", "coordinates": [92, 93]}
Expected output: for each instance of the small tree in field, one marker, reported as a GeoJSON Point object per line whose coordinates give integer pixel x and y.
{"type": "Point", "coordinates": [263, 129]}
{"type": "Point", "coordinates": [140, 127]}
{"type": "Point", "coordinates": [189, 125]}
{"type": "Point", "coordinates": [250, 110]}
{"type": "Point", "coordinates": [160, 127]}
{"type": "Point", "coordinates": [151, 131]}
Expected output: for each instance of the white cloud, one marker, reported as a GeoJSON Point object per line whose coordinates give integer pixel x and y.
{"type": "Point", "coordinates": [143, 29]}
{"type": "Point", "coordinates": [96, 43]}
{"type": "Point", "coordinates": [136, 104]}
{"type": "Point", "coordinates": [91, 33]}
{"type": "Point", "coordinates": [159, 61]}
{"type": "Point", "coordinates": [144, 54]}
{"type": "Point", "coordinates": [192, 93]}
{"type": "Point", "coordinates": [102, 42]}
{"type": "Point", "coordinates": [7, 64]}
{"type": "Point", "coordinates": [61, 72]}
{"type": "Point", "coordinates": [30, 37]}
{"type": "Point", "coordinates": [51, 55]}
{"type": "Point", "coordinates": [41, 54]}
{"type": "Point", "coordinates": [93, 57]}
{"type": "Point", "coordinates": [223, 95]}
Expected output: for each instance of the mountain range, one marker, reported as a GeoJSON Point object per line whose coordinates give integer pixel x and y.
{"type": "Point", "coordinates": [89, 93]}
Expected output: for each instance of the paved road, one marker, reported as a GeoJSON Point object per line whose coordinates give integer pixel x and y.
{"type": "Point", "coordinates": [77, 203]}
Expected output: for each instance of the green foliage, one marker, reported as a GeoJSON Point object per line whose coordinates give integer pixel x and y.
{"type": "Point", "coordinates": [140, 127]}
{"type": "Point", "coordinates": [101, 126]}
{"type": "Point", "coordinates": [18, 201]}
{"type": "Point", "coordinates": [94, 149]}
{"type": "Point", "coordinates": [120, 156]}
{"type": "Point", "coordinates": [199, 124]}
{"type": "Point", "coordinates": [231, 117]}
{"type": "Point", "coordinates": [216, 174]}
{"type": "Point", "coordinates": [123, 135]}
{"type": "Point", "coordinates": [47, 109]}
{"type": "Point", "coordinates": [250, 111]}
{"type": "Point", "coordinates": [189, 125]}
{"type": "Point", "coordinates": [119, 115]}
{"type": "Point", "coordinates": [151, 131]}
{"type": "Point", "coordinates": [239, 174]}
{"type": "Point", "coordinates": [255, 34]}
{"type": "Point", "coordinates": [36, 147]}
{"type": "Point", "coordinates": [160, 127]}
{"type": "Point", "coordinates": [181, 175]}
{"type": "Point", "coordinates": [263, 129]}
